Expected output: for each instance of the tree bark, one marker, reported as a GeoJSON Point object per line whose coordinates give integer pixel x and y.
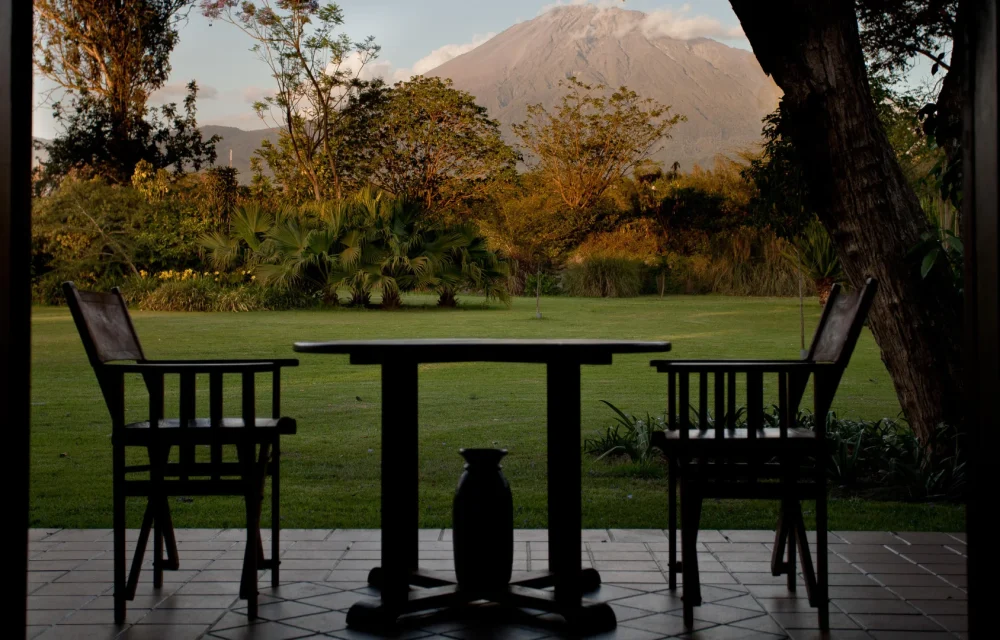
{"type": "Point", "coordinates": [859, 191]}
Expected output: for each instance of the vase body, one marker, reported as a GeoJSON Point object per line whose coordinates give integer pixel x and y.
{"type": "Point", "coordinates": [483, 521]}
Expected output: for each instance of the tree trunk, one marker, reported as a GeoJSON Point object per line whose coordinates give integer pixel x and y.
{"type": "Point", "coordinates": [859, 191]}
{"type": "Point", "coordinates": [447, 297]}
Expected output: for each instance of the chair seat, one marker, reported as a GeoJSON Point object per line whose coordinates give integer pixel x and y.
{"type": "Point", "coordinates": [739, 434]}
{"type": "Point", "coordinates": [200, 431]}
{"type": "Point", "coordinates": [735, 441]}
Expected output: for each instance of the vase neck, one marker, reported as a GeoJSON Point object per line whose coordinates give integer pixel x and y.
{"type": "Point", "coordinates": [483, 457]}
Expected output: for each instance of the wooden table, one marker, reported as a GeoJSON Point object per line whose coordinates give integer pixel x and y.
{"type": "Point", "coordinates": [399, 570]}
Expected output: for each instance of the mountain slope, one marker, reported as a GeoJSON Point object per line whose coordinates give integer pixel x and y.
{"type": "Point", "coordinates": [722, 90]}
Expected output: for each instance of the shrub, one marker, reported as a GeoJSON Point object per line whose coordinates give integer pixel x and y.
{"type": "Point", "coordinates": [751, 262]}
{"type": "Point", "coordinates": [604, 278]}
{"type": "Point", "coordinates": [551, 286]}
{"type": "Point", "coordinates": [628, 437]}
{"type": "Point", "coordinates": [97, 235]}
{"type": "Point", "coordinates": [182, 295]}
{"type": "Point", "coordinates": [881, 457]}
{"type": "Point", "coordinates": [814, 254]}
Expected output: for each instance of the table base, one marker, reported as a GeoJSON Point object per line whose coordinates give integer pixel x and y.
{"type": "Point", "coordinates": [435, 592]}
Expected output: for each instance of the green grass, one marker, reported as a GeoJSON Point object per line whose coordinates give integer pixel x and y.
{"type": "Point", "coordinates": [331, 468]}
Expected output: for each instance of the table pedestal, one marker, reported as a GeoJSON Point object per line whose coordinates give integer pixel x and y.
{"type": "Point", "coordinates": [434, 592]}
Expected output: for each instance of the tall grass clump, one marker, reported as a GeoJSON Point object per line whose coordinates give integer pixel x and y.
{"type": "Point", "coordinates": [602, 277]}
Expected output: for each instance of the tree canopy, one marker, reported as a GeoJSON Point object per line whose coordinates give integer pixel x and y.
{"type": "Point", "coordinates": [317, 72]}
{"type": "Point", "coordinates": [108, 57]}
{"type": "Point", "coordinates": [591, 139]}
{"type": "Point", "coordinates": [432, 143]}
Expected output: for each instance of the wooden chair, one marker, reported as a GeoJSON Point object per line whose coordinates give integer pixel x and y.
{"type": "Point", "coordinates": [110, 340]}
{"type": "Point", "coordinates": [715, 459]}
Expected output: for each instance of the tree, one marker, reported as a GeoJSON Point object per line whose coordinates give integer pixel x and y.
{"type": "Point", "coordinates": [316, 72]}
{"type": "Point", "coordinates": [781, 193]}
{"type": "Point", "coordinates": [432, 143]}
{"type": "Point", "coordinates": [862, 196]}
{"type": "Point", "coordinates": [591, 140]}
{"type": "Point", "coordinates": [109, 56]}
{"type": "Point", "coordinates": [91, 141]}
{"type": "Point", "coordinates": [894, 34]}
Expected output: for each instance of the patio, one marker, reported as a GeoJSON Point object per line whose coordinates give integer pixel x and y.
{"type": "Point", "coordinates": [882, 585]}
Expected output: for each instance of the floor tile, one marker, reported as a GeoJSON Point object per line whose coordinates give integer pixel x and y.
{"type": "Point", "coordinates": [653, 602]}
{"type": "Point", "coordinates": [665, 624]}
{"type": "Point", "coordinates": [890, 622]}
{"type": "Point", "coordinates": [324, 572]}
{"type": "Point", "coordinates": [263, 631]}
{"type": "Point", "coordinates": [324, 622]}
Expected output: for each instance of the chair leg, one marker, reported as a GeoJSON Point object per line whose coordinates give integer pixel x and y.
{"type": "Point", "coordinates": [158, 545]}
{"type": "Point", "coordinates": [248, 583]}
{"type": "Point", "coordinates": [672, 499]}
{"type": "Point", "coordinates": [792, 574]}
{"type": "Point", "coordinates": [118, 507]}
{"type": "Point", "coordinates": [822, 579]}
{"type": "Point", "coordinates": [781, 538]}
{"type": "Point", "coordinates": [140, 550]}
{"type": "Point", "coordinates": [173, 562]}
{"type": "Point", "coordinates": [690, 516]}
{"type": "Point", "coordinates": [275, 513]}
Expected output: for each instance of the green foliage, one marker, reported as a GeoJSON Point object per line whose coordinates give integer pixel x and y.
{"type": "Point", "coordinates": [629, 438]}
{"type": "Point", "coordinates": [367, 243]}
{"type": "Point", "coordinates": [205, 294]}
{"type": "Point", "coordinates": [550, 284]}
{"type": "Point", "coordinates": [604, 277]}
{"type": "Point", "coordinates": [814, 254]}
{"type": "Point", "coordinates": [94, 143]}
{"type": "Point", "coordinates": [317, 75]}
{"type": "Point", "coordinates": [92, 232]}
{"type": "Point", "coordinates": [592, 140]}
{"type": "Point", "coordinates": [108, 59]}
{"type": "Point", "coordinates": [781, 198]}
{"type": "Point", "coordinates": [876, 457]}
{"type": "Point", "coordinates": [431, 143]}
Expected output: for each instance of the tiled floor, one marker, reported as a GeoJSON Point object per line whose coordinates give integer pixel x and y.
{"type": "Point", "coordinates": [884, 586]}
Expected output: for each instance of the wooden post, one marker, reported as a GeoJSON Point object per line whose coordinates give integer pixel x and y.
{"type": "Point", "coordinates": [565, 518]}
{"type": "Point", "coordinates": [15, 292]}
{"type": "Point", "coordinates": [400, 496]}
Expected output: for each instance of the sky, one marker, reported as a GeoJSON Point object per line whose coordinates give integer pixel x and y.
{"type": "Point", "coordinates": [415, 35]}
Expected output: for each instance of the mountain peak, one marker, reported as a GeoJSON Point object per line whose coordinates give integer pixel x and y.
{"type": "Point", "coordinates": [662, 55]}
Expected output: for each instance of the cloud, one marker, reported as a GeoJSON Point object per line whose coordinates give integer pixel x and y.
{"type": "Point", "coordinates": [369, 70]}
{"type": "Point", "coordinates": [439, 56]}
{"type": "Point", "coordinates": [256, 94]}
{"type": "Point", "coordinates": [677, 23]}
{"type": "Point", "coordinates": [600, 4]}
{"type": "Point", "coordinates": [176, 92]}
{"type": "Point", "coordinates": [680, 24]}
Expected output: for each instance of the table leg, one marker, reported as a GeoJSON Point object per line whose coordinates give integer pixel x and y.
{"type": "Point", "coordinates": [400, 506]}
{"type": "Point", "coordinates": [565, 520]}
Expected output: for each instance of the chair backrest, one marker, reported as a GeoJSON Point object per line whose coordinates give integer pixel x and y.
{"type": "Point", "coordinates": [841, 323]}
{"type": "Point", "coordinates": [104, 325]}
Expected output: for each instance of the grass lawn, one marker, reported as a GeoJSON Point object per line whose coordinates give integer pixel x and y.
{"type": "Point", "coordinates": [331, 468]}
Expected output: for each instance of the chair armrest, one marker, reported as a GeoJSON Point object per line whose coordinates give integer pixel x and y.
{"type": "Point", "coordinates": [250, 366]}
{"type": "Point", "coordinates": [776, 366]}
{"type": "Point", "coordinates": [278, 362]}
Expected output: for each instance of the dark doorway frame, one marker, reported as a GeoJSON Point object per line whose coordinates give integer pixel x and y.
{"type": "Point", "coordinates": [982, 298]}
{"type": "Point", "coordinates": [982, 306]}
{"type": "Point", "coordinates": [15, 292]}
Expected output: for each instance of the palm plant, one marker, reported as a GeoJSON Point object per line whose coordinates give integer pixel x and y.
{"type": "Point", "coordinates": [367, 243]}
{"type": "Point", "coordinates": [471, 265]}
{"type": "Point", "coordinates": [815, 256]}
{"type": "Point", "coordinates": [246, 244]}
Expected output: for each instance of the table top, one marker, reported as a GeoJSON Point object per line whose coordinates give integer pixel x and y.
{"type": "Point", "coordinates": [433, 350]}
